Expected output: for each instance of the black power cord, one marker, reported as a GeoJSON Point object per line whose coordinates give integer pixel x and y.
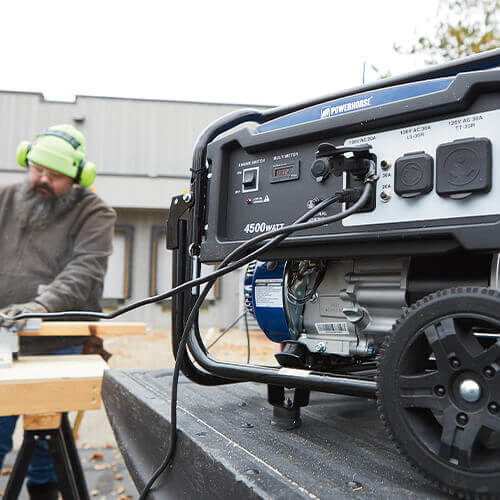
{"type": "Point", "coordinates": [221, 271]}
{"type": "Point", "coordinates": [225, 267]}
{"type": "Point", "coordinates": [279, 235]}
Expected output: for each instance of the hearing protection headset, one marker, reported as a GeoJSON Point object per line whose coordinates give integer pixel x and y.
{"type": "Point", "coordinates": [60, 148]}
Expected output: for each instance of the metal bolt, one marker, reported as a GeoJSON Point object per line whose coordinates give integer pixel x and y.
{"type": "Point", "coordinates": [272, 265]}
{"type": "Point", "coordinates": [470, 390]}
{"type": "Point", "coordinates": [187, 197]}
{"type": "Point", "coordinates": [489, 372]}
{"type": "Point", "coordinates": [493, 408]}
{"type": "Point", "coordinates": [194, 250]}
{"type": "Point", "coordinates": [385, 165]}
{"type": "Point", "coordinates": [455, 363]}
{"type": "Point", "coordinates": [440, 390]}
{"type": "Point", "coordinates": [385, 195]}
{"type": "Point", "coordinates": [320, 347]}
{"type": "Point", "coordinates": [462, 419]}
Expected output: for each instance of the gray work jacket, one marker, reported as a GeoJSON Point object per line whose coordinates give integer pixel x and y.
{"type": "Point", "coordinates": [61, 266]}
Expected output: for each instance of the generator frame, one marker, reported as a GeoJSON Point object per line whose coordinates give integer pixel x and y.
{"type": "Point", "coordinates": [194, 234]}
{"type": "Point", "coordinates": [187, 218]}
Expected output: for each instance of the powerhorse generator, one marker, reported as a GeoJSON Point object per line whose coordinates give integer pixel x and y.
{"type": "Point", "coordinates": [369, 222]}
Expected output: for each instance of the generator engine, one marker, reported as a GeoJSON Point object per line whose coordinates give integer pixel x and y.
{"type": "Point", "coordinates": [328, 313]}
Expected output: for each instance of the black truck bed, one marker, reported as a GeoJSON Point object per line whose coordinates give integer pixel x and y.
{"type": "Point", "coordinates": [227, 447]}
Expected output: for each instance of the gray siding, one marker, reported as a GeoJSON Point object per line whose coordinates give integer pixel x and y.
{"type": "Point", "coordinates": [125, 138]}
{"type": "Point", "coordinates": [142, 150]}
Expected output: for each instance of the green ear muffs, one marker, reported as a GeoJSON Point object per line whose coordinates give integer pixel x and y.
{"type": "Point", "coordinates": [22, 152]}
{"type": "Point", "coordinates": [87, 174]}
{"type": "Point", "coordinates": [60, 148]}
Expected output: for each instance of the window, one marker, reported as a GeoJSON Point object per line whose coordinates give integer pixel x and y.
{"type": "Point", "coordinates": [161, 266]}
{"type": "Point", "coordinates": [117, 282]}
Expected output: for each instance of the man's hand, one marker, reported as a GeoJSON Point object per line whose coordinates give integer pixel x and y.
{"type": "Point", "coordinates": [94, 345]}
{"type": "Point", "coordinates": [15, 309]}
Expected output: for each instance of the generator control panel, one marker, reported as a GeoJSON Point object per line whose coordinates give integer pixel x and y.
{"type": "Point", "coordinates": [437, 157]}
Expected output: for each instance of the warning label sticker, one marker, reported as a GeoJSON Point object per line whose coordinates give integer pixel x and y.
{"type": "Point", "coordinates": [269, 292]}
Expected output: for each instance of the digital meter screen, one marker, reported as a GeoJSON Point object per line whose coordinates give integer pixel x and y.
{"type": "Point", "coordinates": [285, 172]}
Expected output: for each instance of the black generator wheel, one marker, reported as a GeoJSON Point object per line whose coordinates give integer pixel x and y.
{"type": "Point", "coordinates": [439, 389]}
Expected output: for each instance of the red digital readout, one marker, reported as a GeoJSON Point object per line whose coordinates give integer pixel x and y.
{"type": "Point", "coordinates": [283, 171]}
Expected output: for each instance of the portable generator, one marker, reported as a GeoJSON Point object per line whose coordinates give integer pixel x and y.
{"type": "Point", "coordinates": [369, 222]}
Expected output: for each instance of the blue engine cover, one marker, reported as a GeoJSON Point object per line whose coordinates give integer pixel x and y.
{"type": "Point", "coordinates": [264, 298]}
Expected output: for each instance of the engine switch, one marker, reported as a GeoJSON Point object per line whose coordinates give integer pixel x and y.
{"type": "Point", "coordinates": [250, 180]}
{"type": "Point", "coordinates": [463, 167]}
{"type": "Point", "coordinates": [414, 174]}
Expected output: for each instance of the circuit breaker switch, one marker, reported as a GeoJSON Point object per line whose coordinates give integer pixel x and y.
{"type": "Point", "coordinates": [320, 169]}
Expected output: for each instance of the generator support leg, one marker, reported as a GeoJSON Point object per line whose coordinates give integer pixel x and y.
{"type": "Point", "coordinates": [286, 411]}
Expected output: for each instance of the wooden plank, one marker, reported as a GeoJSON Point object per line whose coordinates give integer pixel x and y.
{"type": "Point", "coordinates": [18, 398]}
{"type": "Point", "coordinates": [47, 368]}
{"type": "Point", "coordinates": [81, 328]}
{"type": "Point", "coordinates": [47, 384]}
{"type": "Point", "coordinates": [41, 422]}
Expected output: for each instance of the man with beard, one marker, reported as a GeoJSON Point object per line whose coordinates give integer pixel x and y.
{"type": "Point", "coordinates": [55, 239]}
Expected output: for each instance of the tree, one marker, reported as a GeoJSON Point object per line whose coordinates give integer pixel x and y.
{"type": "Point", "coordinates": [463, 27]}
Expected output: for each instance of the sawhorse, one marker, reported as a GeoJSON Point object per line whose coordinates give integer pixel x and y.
{"type": "Point", "coordinates": [55, 430]}
{"type": "Point", "coordinates": [44, 389]}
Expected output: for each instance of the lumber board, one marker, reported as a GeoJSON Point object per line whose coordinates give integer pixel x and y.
{"type": "Point", "coordinates": [36, 368]}
{"type": "Point", "coordinates": [82, 328]}
{"type": "Point", "coordinates": [41, 422]}
{"type": "Point", "coordinates": [46, 384]}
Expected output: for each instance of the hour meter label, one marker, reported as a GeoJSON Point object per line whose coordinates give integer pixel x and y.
{"type": "Point", "coordinates": [262, 227]}
{"type": "Point", "coordinates": [269, 292]}
{"type": "Point", "coordinates": [336, 328]}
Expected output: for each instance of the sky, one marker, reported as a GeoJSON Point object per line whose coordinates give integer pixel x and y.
{"type": "Point", "coordinates": [267, 52]}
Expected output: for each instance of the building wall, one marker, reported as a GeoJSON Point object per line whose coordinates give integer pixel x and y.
{"type": "Point", "coordinates": [218, 313]}
{"type": "Point", "coordinates": [142, 150]}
